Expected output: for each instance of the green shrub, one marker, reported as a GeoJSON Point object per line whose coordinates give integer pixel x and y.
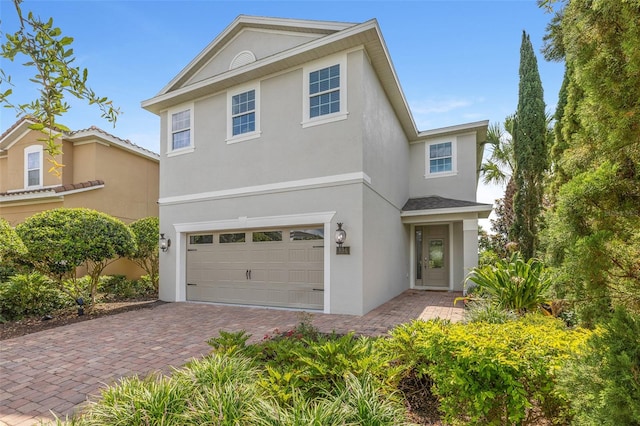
{"type": "Point", "coordinates": [491, 373]}
{"type": "Point", "coordinates": [513, 284]}
{"type": "Point", "coordinates": [118, 287]}
{"type": "Point", "coordinates": [31, 294]}
{"type": "Point", "coordinates": [604, 381]}
{"type": "Point", "coordinates": [215, 390]}
{"type": "Point", "coordinates": [485, 311]}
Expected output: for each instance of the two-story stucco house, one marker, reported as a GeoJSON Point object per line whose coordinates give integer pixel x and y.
{"type": "Point", "coordinates": [279, 130]}
{"type": "Point", "coordinates": [101, 172]}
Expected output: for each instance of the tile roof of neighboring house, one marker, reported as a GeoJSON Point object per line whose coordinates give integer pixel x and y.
{"type": "Point", "coordinates": [435, 202]}
{"type": "Point", "coordinates": [58, 190]}
{"type": "Point", "coordinates": [99, 130]}
{"type": "Point", "coordinates": [127, 144]}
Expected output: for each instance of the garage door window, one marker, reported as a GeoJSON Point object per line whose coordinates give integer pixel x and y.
{"type": "Point", "coordinates": [238, 237]}
{"type": "Point", "coordinates": [201, 239]}
{"type": "Point", "coordinates": [306, 234]}
{"type": "Point", "coordinates": [267, 236]}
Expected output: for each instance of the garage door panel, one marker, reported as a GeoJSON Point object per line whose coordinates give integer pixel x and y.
{"type": "Point", "coordinates": [283, 273]}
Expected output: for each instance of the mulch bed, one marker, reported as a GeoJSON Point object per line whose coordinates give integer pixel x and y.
{"type": "Point", "coordinates": [25, 326]}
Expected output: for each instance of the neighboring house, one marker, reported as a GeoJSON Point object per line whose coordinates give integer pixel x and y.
{"type": "Point", "coordinates": [101, 172]}
{"type": "Point", "coordinates": [279, 130]}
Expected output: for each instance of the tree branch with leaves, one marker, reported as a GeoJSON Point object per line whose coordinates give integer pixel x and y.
{"type": "Point", "coordinates": [49, 54]}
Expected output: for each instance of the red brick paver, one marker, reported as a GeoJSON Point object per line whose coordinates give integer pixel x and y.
{"type": "Point", "coordinates": [55, 371]}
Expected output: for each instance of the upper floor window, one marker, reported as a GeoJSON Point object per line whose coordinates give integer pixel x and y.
{"type": "Point", "coordinates": [325, 91]}
{"type": "Point", "coordinates": [33, 166]}
{"type": "Point", "coordinates": [243, 121]}
{"type": "Point", "coordinates": [243, 112]}
{"type": "Point", "coordinates": [181, 130]}
{"type": "Point", "coordinates": [441, 159]}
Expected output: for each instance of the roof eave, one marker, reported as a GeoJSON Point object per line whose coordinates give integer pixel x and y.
{"type": "Point", "coordinates": [366, 34]}
{"type": "Point", "coordinates": [483, 211]}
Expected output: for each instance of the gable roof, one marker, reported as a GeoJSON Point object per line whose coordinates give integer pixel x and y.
{"type": "Point", "coordinates": [241, 23]}
{"type": "Point", "coordinates": [15, 131]}
{"type": "Point", "coordinates": [337, 37]}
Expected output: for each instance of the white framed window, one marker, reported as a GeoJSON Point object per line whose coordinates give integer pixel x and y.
{"type": "Point", "coordinates": [243, 113]}
{"type": "Point", "coordinates": [33, 166]}
{"type": "Point", "coordinates": [325, 91]}
{"type": "Point", "coordinates": [180, 132]}
{"type": "Point", "coordinates": [441, 159]}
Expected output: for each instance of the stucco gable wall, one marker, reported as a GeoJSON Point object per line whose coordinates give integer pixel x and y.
{"type": "Point", "coordinates": [461, 186]}
{"type": "Point", "coordinates": [13, 173]}
{"type": "Point", "coordinates": [262, 43]}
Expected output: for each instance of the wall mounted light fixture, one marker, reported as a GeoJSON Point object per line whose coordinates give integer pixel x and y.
{"type": "Point", "coordinates": [164, 243]}
{"type": "Point", "coordinates": [341, 237]}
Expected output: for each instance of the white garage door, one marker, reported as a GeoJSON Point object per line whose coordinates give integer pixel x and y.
{"type": "Point", "coordinates": [276, 267]}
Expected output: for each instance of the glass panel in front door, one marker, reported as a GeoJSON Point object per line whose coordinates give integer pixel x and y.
{"type": "Point", "coordinates": [436, 253]}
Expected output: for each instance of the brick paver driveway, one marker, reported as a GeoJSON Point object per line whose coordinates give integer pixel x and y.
{"type": "Point", "coordinates": [56, 370]}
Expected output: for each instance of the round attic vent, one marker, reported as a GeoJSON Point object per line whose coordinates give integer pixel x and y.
{"type": "Point", "coordinates": [242, 58]}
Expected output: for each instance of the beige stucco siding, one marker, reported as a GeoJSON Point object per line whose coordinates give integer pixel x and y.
{"type": "Point", "coordinates": [17, 213]}
{"type": "Point", "coordinates": [13, 166]}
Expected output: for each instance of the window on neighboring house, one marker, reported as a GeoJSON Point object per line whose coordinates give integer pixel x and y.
{"type": "Point", "coordinates": [440, 158]}
{"type": "Point", "coordinates": [33, 166]}
{"type": "Point", "coordinates": [324, 91]}
{"type": "Point", "coordinates": [243, 113]}
{"type": "Point", "coordinates": [180, 129]}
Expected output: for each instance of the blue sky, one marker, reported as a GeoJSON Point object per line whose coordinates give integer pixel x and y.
{"type": "Point", "coordinates": [457, 60]}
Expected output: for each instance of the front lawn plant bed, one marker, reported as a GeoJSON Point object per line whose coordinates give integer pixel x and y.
{"type": "Point", "coordinates": [422, 373]}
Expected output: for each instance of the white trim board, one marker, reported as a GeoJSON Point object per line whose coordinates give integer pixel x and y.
{"type": "Point", "coordinates": [293, 185]}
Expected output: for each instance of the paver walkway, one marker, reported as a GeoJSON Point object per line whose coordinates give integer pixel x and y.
{"type": "Point", "coordinates": [56, 370]}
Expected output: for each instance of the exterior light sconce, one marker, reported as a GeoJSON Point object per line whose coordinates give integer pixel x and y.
{"type": "Point", "coordinates": [164, 243]}
{"type": "Point", "coordinates": [341, 236]}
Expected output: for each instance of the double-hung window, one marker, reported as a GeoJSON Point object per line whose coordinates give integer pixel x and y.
{"type": "Point", "coordinates": [243, 113]}
{"type": "Point", "coordinates": [324, 91]}
{"type": "Point", "coordinates": [33, 166]}
{"type": "Point", "coordinates": [181, 130]}
{"type": "Point", "coordinates": [441, 159]}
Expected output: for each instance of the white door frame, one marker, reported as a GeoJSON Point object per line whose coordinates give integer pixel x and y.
{"type": "Point", "coordinates": [413, 258]}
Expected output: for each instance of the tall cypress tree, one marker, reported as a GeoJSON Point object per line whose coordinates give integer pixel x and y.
{"type": "Point", "coordinates": [529, 144]}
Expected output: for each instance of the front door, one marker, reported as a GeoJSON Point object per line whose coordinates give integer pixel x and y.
{"type": "Point", "coordinates": [432, 256]}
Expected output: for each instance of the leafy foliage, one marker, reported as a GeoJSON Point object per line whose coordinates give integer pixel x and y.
{"type": "Point", "coordinates": [512, 284]}
{"type": "Point", "coordinates": [10, 244]}
{"type": "Point", "coordinates": [593, 234]}
{"type": "Point", "coordinates": [146, 231]}
{"type": "Point", "coordinates": [31, 294]}
{"type": "Point", "coordinates": [491, 374]}
{"type": "Point", "coordinates": [50, 55]}
{"type": "Point", "coordinates": [604, 380]}
{"type": "Point", "coordinates": [118, 287]}
{"type": "Point", "coordinates": [60, 240]}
